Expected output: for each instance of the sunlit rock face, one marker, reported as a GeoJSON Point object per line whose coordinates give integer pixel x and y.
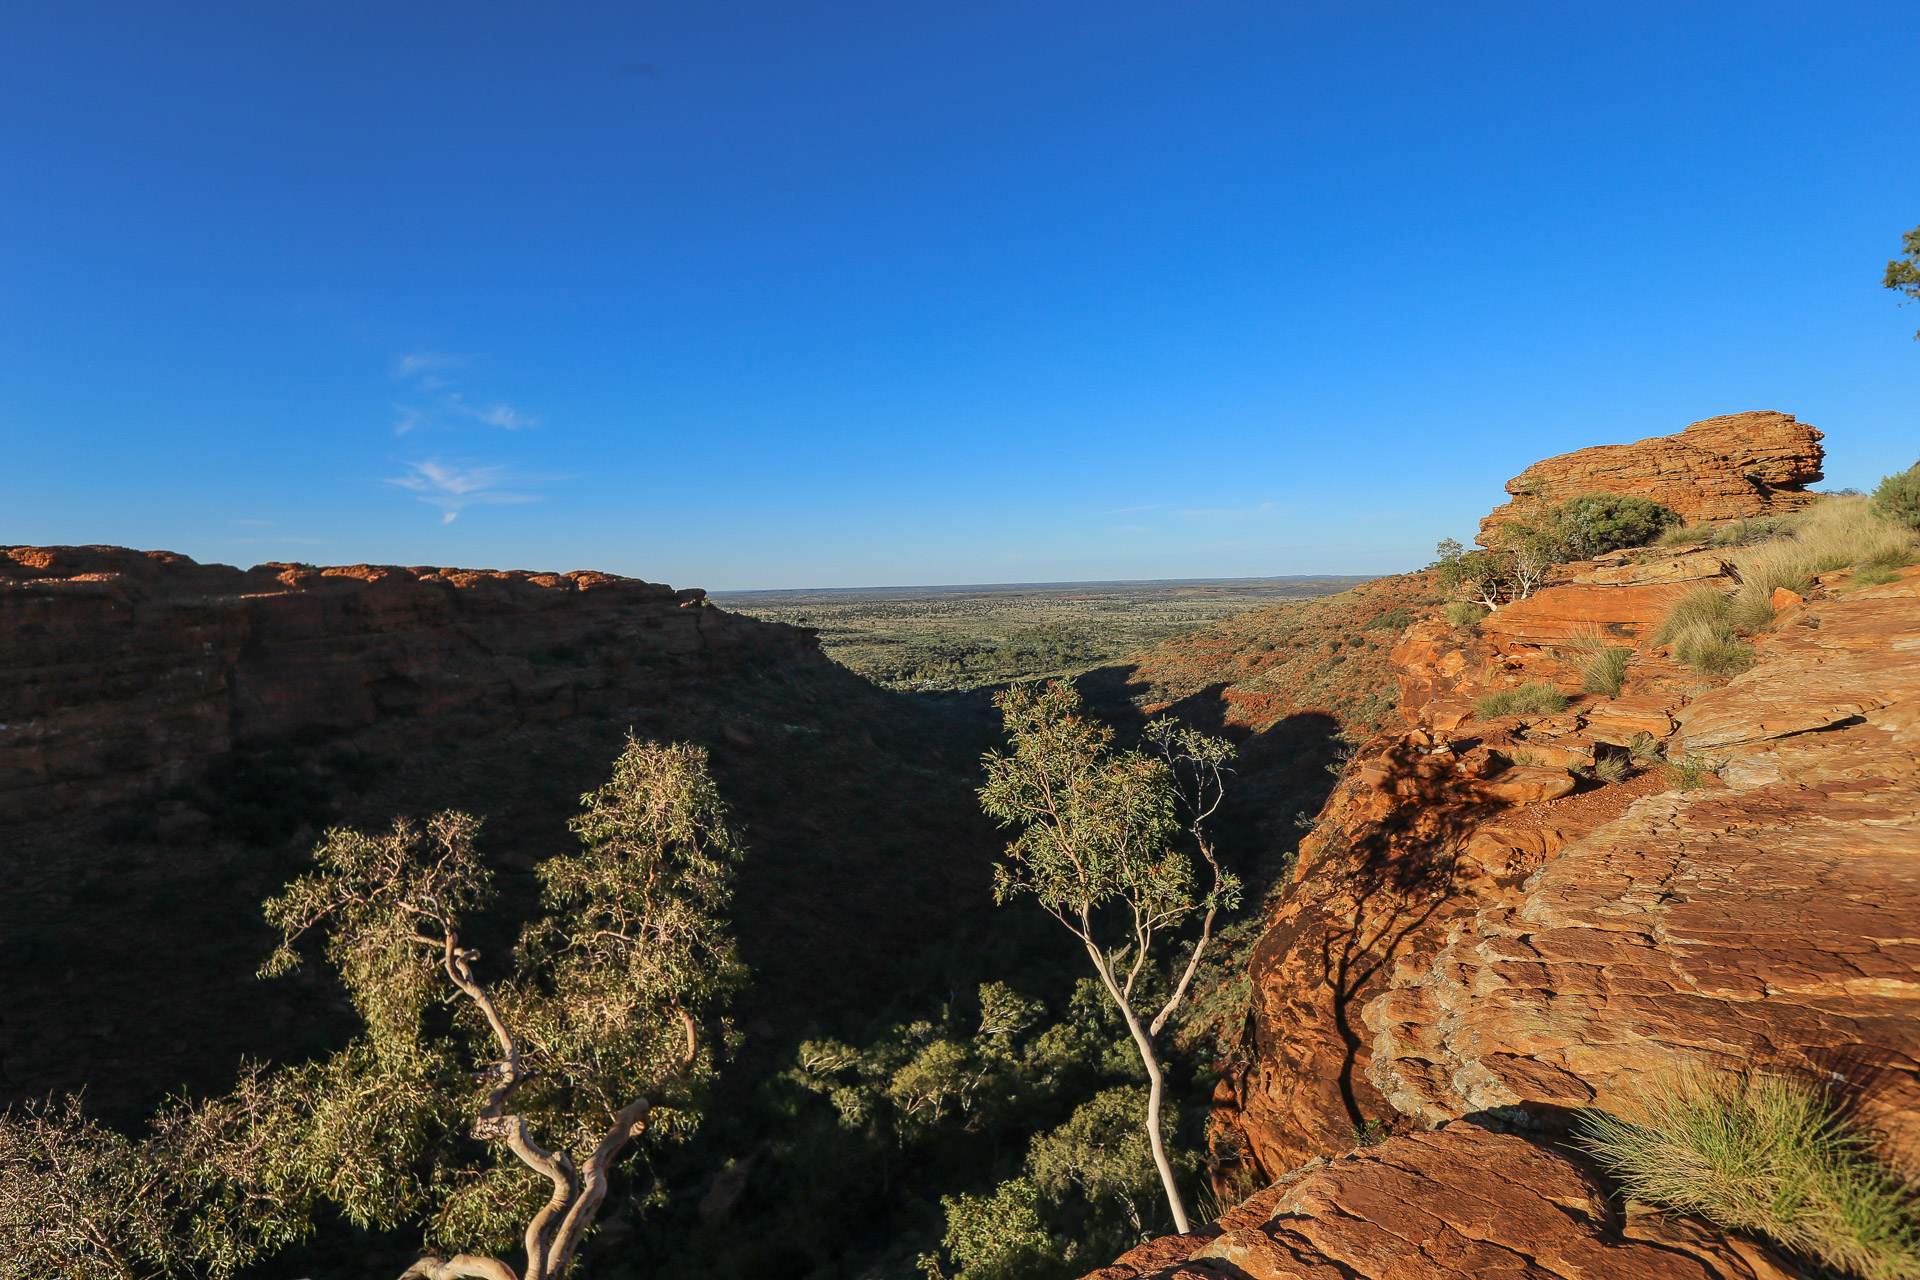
{"type": "Point", "coordinates": [1733, 467]}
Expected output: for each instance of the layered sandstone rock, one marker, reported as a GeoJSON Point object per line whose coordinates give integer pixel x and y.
{"type": "Point", "coordinates": [1733, 467]}
{"type": "Point", "coordinates": [1771, 921]}
{"type": "Point", "coordinates": [124, 671]}
{"type": "Point", "coordinates": [1462, 1202]}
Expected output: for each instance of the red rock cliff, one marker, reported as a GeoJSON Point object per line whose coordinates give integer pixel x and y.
{"type": "Point", "coordinates": [1482, 936]}
{"type": "Point", "coordinates": [122, 671]}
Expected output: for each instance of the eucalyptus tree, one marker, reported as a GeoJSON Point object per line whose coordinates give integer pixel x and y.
{"type": "Point", "coordinates": [1098, 849]}
{"type": "Point", "coordinates": [489, 1105]}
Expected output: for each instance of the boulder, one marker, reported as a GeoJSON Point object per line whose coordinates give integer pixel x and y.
{"type": "Point", "coordinates": [1733, 467]}
{"type": "Point", "coordinates": [1526, 784]}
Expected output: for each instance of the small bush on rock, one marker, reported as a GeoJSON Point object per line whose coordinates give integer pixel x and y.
{"type": "Point", "coordinates": [1532, 698]}
{"type": "Point", "coordinates": [1464, 613]}
{"type": "Point", "coordinates": [1596, 523]}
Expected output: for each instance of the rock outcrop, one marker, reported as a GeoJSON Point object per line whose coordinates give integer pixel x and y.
{"type": "Point", "coordinates": [1483, 935]}
{"type": "Point", "coordinates": [1732, 467]}
{"type": "Point", "coordinates": [123, 671]}
{"type": "Point", "coordinates": [1769, 920]}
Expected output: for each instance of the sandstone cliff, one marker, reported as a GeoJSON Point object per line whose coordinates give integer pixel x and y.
{"type": "Point", "coordinates": [125, 671]}
{"type": "Point", "coordinates": [1478, 942]}
{"type": "Point", "coordinates": [1732, 467]}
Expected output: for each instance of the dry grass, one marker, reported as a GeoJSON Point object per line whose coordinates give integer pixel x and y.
{"type": "Point", "coordinates": [1687, 772]}
{"type": "Point", "coordinates": [1836, 533]}
{"type": "Point", "coordinates": [1531, 698]}
{"type": "Point", "coordinates": [1463, 613]}
{"type": "Point", "coordinates": [1612, 769]}
{"type": "Point", "coordinates": [1602, 664]}
{"type": "Point", "coordinates": [1704, 625]}
{"type": "Point", "coordinates": [1770, 1156]}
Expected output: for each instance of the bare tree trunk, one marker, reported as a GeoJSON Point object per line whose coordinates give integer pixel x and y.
{"type": "Point", "coordinates": [461, 1266]}
{"type": "Point", "coordinates": [1155, 1088]}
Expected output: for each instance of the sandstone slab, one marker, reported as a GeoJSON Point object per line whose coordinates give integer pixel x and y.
{"type": "Point", "coordinates": [1464, 1202]}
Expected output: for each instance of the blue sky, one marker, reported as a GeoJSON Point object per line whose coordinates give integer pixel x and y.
{"type": "Point", "coordinates": [778, 294]}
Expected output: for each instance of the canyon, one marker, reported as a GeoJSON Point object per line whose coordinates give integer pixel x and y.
{"type": "Point", "coordinates": [1475, 938]}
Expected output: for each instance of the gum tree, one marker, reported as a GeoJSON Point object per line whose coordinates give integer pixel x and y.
{"type": "Point", "coordinates": [493, 1107]}
{"type": "Point", "coordinates": [1903, 273]}
{"type": "Point", "coordinates": [1096, 849]}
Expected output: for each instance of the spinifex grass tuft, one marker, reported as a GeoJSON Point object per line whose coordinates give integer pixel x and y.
{"type": "Point", "coordinates": [1531, 698]}
{"type": "Point", "coordinates": [1769, 1155]}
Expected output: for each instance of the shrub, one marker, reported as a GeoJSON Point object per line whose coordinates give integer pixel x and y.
{"type": "Point", "coordinates": [1464, 613]}
{"type": "Point", "coordinates": [1611, 769]}
{"type": "Point", "coordinates": [1688, 772]}
{"type": "Point", "coordinates": [1596, 523]}
{"type": "Point", "coordinates": [1897, 497]}
{"type": "Point", "coordinates": [1767, 1155]}
{"type": "Point", "coordinates": [1531, 698]}
{"type": "Point", "coordinates": [1643, 746]}
{"type": "Point", "coordinates": [1398, 619]}
{"type": "Point", "coordinates": [1872, 578]}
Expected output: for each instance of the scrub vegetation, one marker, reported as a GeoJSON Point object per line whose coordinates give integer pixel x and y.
{"type": "Point", "coordinates": [1708, 629]}
{"type": "Point", "coordinates": [967, 637]}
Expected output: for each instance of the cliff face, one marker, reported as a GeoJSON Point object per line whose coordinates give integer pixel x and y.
{"type": "Point", "coordinates": [1477, 942]}
{"type": "Point", "coordinates": [125, 671]}
{"type": "Point", "coordinates": [1733, 467]}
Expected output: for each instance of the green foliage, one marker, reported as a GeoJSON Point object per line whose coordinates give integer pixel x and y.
{"type": "Point", "coordinates": [1096, 849]}
{"type": "Point", "coordinates": [1531, 698]}
{"type": "Point", "coordinates": [1596, 523]}
{"type": "Point", "coordinates": [1897, 497]}
{"type": "Point", "coordinates": [1464, 613]}
{"type": "Point", "coordinates": [997, 1237]}
{"type": "Point", "coordinates": [1769, 1155]}
{"type": "Point", "coordinates": [464, 1123]}
{"type": "Point", "coordinates": [1903, 273]}
{"type": "Point", "coordinates": [1102, 1152]}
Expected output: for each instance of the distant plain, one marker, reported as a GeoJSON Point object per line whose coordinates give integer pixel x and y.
{"type": "Point", "coordinates": [939, 638]}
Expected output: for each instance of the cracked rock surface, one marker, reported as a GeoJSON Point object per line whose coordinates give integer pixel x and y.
{"type": "Point", "coordinates": [1462, 1201]}
{"type": "Point", "coordinates": [1772, 919]}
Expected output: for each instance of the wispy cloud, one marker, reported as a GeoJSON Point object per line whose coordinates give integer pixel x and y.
{"type": "Point", "coordinates": [426, 369]}
{"type": "Point", "coordinates": [453, 487]}
{"type": "Point", "coordinates": [430, 374]}
{"type": "Point", "coordinates": [1228, 515]}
